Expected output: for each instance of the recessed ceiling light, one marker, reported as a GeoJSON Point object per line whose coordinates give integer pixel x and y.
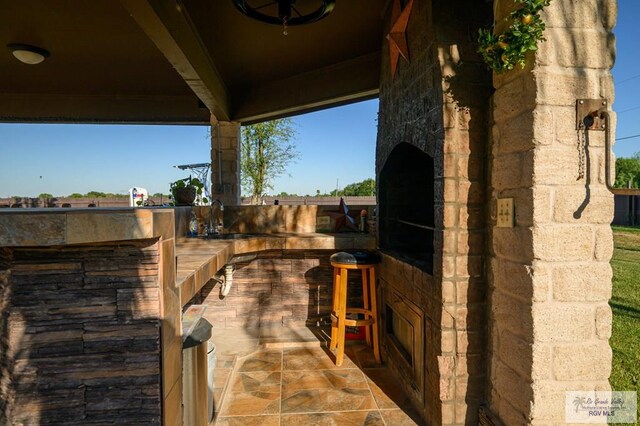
{"type": "Point", "coordinates": [28, 54]}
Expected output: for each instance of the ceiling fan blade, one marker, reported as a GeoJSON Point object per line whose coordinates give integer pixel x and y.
{"type": "Point", "coordinates": [296, 10]}
{"type": "Point", "coordinates": [265, 5]}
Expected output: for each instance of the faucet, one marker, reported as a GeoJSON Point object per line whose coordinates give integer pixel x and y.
{"type": "Point", "coordinates": [219, 228]}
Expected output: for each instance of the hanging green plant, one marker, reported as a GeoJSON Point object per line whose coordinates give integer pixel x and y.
{"type": "Point", "coordinates": [502, 52]}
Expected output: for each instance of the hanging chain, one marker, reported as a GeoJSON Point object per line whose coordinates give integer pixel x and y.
{"type": "Point", "coordinates": [582, 136]}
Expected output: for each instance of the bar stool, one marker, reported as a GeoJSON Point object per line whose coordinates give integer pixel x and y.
{"type": "Point", "coordinates": [342, 262]}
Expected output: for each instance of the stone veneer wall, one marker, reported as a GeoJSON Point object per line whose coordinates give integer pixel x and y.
{"type": "Point", "coordinates": [439, 102]}
{"type": "Point", "coordinates": [550, 274]}
{"type": "Point", "coordinates": [290, 288]}
{"type": "Point", "coordinates": [80, 334]}
{"type": "Point", "coordinates": [268, 219]}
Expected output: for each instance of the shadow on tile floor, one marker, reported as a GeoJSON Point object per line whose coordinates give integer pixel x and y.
{"type": "Point", "coordinates": [288, 377]}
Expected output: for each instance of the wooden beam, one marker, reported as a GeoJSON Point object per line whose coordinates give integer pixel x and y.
{"type": "Point", "coordinates": [346, 82]}
{"type": "Point", "coordinates": [47, 108]}
{"type": "Point", "coordinates": [169, 26]}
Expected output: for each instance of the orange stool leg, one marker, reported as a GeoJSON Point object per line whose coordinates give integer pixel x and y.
{"type": "Point", "coordinates": [365, 301]}
{"type": "Point", "coordinates": [342, 316]}
{"type": "Point", "coordinates": [374, 312]}
{"type": "Point", "coordinates": [334, 308]}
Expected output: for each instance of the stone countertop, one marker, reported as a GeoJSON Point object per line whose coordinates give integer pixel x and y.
{"type": "Point", "coordinates": [53, 227]}
{"type": "Point", "coordinates": [199, 259]}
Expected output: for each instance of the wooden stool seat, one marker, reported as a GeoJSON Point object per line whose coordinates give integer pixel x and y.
{"type": "Point", "coordinates": [342, 262]}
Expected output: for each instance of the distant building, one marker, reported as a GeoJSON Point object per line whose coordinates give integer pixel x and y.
{"type": "Point", "coordinates": [627, 207]}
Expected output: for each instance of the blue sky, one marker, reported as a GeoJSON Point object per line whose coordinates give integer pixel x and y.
{"type": "Point", "coordinates": [626, 74]}
{"type": "Point", "coordinates": [335, 145]}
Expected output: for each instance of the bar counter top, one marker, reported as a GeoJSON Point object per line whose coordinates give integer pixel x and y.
{"type": "Point", "coordinates": [199, 259]}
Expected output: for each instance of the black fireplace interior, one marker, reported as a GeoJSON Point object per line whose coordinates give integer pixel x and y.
{"type": "Point", "coordinates": [406, 199]}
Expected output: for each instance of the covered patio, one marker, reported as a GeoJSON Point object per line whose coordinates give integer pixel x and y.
{"type": "Point", "coordinates": [493, 229]}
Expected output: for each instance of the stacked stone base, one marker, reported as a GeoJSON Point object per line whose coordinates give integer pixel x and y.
{"type": "Point", "coordinates": [79, 341]}
{"type": "Point", "coordinates": [278, 288]}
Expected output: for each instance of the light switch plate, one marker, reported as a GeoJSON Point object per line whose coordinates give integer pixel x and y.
{"type": "Point", "coordinates": [505, 213]}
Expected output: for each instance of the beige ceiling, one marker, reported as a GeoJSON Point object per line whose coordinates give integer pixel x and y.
{"type": "Point", "coordinates": [168, 61]}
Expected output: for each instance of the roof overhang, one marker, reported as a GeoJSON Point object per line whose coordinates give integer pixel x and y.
{"type": "Point", "coordinates": [168, 61]}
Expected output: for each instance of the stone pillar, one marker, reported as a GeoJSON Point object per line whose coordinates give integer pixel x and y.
{"type": "Point", "coordinates": [550, 277]}
{"type": "Point", "coordinates": [466, 88]}
{"type": "Point", "coordinates": [225, 161]}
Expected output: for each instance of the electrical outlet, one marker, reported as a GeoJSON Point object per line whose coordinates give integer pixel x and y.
{"type": "Point", "coordinates": [505, 213]}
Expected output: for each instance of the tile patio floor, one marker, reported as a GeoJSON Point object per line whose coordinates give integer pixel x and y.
{"type": "Point", "coordinates": [288, 377]}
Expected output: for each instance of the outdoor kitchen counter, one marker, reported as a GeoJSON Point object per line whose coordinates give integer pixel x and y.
{"type": "Point", "coordinates": [40, 227]}
{"type": "Point", "coordinates": [199, 259]}
{"type": "Point", "coordinates": [180, 266]}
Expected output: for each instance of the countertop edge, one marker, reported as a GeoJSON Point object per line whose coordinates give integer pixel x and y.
{"type": "Point", "coordinates": [211, 255]}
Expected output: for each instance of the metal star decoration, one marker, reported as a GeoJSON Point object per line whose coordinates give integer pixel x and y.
{"type": "Point", "coordinates": [342, 218]}
{"type": "Point", "coordinates": [398, 35]}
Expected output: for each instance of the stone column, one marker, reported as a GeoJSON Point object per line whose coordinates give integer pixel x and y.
{"type": "Point", "coordinates": [466, 89]}
{"type": "Point", "coordinates": [225, 161]}
{"type": "Point", "coordinates": [550, 276]}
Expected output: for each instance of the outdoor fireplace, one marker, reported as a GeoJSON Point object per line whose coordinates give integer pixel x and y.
{"type": "Point", "coordinates": [406, 201]}
{"type": "Point", "coordinates": [431, 154]}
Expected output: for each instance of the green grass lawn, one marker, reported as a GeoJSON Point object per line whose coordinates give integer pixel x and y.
{"type": "Point", "coordinates": [625, 303]}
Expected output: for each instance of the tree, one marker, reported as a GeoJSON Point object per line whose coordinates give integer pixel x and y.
{"type": "Point", "coordinates": [96, 194]}
{"type": "Point", "coordinates": [45, 195]}
{"type": "Point", "coordinates": [76, 195]}
{"type": "Point", "coordinates": [628, 171]}
{"type": "Point", "coordinates": [267, 149]}
{"type": "Point", "coordinates": [365, 188]}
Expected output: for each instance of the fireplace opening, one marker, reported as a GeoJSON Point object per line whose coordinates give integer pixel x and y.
{"type": "Point", "coordinates": [406, 199]}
